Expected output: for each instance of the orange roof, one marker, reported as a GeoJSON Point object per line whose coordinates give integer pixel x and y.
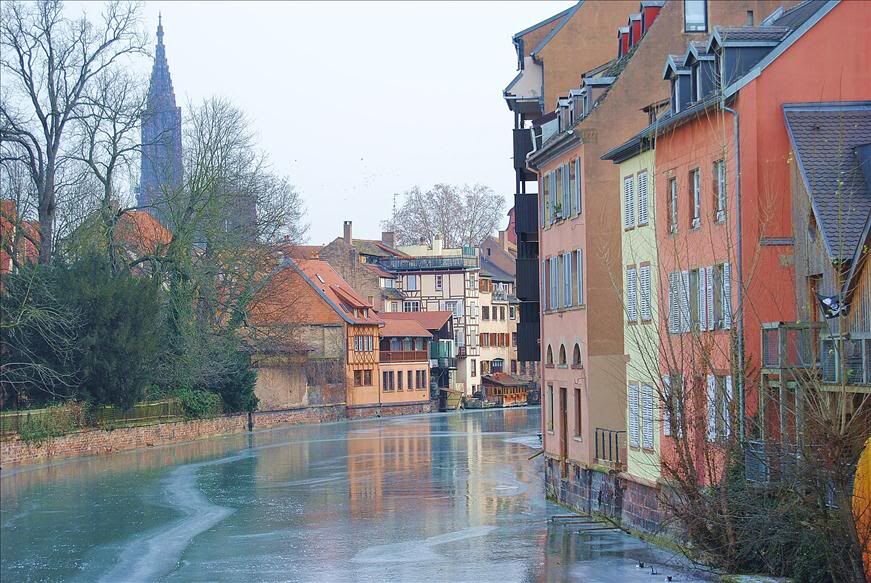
{"type": "Point", "coordinates": [337, 292]}
{"type": "Point", "coordinates": [412, 328]}
{"type": "Point", "coordinates": [430, 320]}
{"type": "Point", "coordinates": [24, 249]}
{"type": "Point", "coordinates": [142, 232]}
{"type": "Point", "coordinates": [504, 379]}
{"type": "Point", "coordinates": [300, 251]}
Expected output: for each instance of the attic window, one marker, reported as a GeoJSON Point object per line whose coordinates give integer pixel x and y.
{"type": "Point", "coordinates": [320, 279]}
{"type": "Point", "coordinates": [695, 13]}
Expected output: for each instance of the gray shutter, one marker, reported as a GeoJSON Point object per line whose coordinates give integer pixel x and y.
{"type": "Point", "coordinates": [647, 417]}
{"type": "Point", "coordinates": [709, 291]}
{"type": "Point", "coordinates": [712, 408]}
{"type": "Point", "coordinates": [673, 303]}
{"type": "Point", "coordinates": [578, 185]}
{"type": "Point", "coordinates": [666, 401]}
{"type": "Point", "coordinates": [727, 296]}
{"type": "Point", "coordinates": [685, 301]}
{"type": "Point", "coordinates": [633, 415]}
{"type": "Point", "coordinates": [727, 415]}
{"type": "Point", "coordinates": [643, 202]}
{"type": "Point", "coordinates": [628, 203]}
{"type": "Point", "coordinates": [566, 194]}
{"type": "Point", "coordinates": [703, 299]}
{"type": "Point", "coordinates": [644, 276]}
{"type": "Point", "coordinates": [567, 284]}
{"type": "Point", "coordinates": [580, 277]}
{"type": "Point", "coordinates": [631, 294]}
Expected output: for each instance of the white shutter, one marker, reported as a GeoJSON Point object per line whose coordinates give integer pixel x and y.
{"type": "Point", "coordinates": [647, 417]}
{"type": "Point", "coordinates": [666, 400]}
{"type": "Point", "coordinates": [709, 291]}
{"type": "Point", "coordinates": [727, 296]}
{"type": "Point", "coordinates": [703, 299]}
{"type": "Point", "coordinates": [631, 295]}
{"type": "Point", "coordinates": [566, 193]}
{"type": "Point", "coordinates": [673, 303]}
{"type": "Point", "coordinates": [580, 277]}
{"type": "Point", "coordinates": [727, 417]}
{"type": "Point", "coordinates": [567, 284]}
{"type": "Point", "coordinates": [628, 203]}
{"type": "Point", "coordinates": [580, 206]}
{"type": "Point", "coordinates": [685, 301]}
{"type": "Point", "coordinates": [712, 408]}
{"type": "Point", "coordinates": [644, 274]}
{"type": "Point", "coordinates": [633, 415]}
{"type": "Point", "coordinates": [643, 202]}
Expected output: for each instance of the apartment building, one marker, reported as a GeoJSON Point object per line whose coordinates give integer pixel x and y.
{"type": "Point", "coordinates": [498, 327]}
{"type": "Point", "coordinates": [404, 362]}
{"type": "Point", "coordinates": [434, 278]}
{"type": "Point", "coordinates": [580, 235]}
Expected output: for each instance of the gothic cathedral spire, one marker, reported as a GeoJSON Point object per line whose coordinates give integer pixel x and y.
{"type": "Point", "coordinates": [161, 171]}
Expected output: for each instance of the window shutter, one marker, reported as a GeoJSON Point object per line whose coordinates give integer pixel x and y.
{"type": "Point", "coordinates": [673, 303]}
{"type": "Point", "coordinates": [727, 296]}
{"type": "Point", "coordinates": [553, 193]}
{"type": "Point", "coordinates": [712, 408]}
{"type": "Point", "coordinates": [666, 401]}
{"type": "Point", "coordinates": [685, 301]}
{"type": "Point", "coordinates": [633, 415]}
{"type": "Point", "coordinates": [647, 417]}
{"type": "Point", "coordinates": [703, 299]}
{"type": "Point", "coordinates": [727, 408]}
{"type": "Point", "coordinates": [709, 295]}
{"type": "Point", "coordinates": [628, 203]}
{"type": "Point", "coordinates": [643, 202]}
{"type": "Point", "coordinates": [580, 277]}
{"type": "Point", "coordinates": [646, 310]}
{"type": "Point", "coordinates": [567, 284]}
{"type": "Point", "coordinates": [567, 195]}
{"type": "Point", "coordinates": [631, 295]}
{"type": "Point", "coordinates": [580, 207]}
{"type": "Point", "coordinates": [554, 283]}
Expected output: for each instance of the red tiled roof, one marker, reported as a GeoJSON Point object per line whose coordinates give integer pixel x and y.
{"type": "Point", "coordinates": [26, 251]}
{"type": "Point", "coordinates": [430, 320]}
{"type": "Point", "coordinates": [141, 231]}
{"type": "Point", "coordinates": [411, 328]}
{"type": "Point", "coordinates": [504, 379]}
{"type": "Point", "coordinates": [326, 279]}
{"type": "Point", "coordinates": [379, 271]}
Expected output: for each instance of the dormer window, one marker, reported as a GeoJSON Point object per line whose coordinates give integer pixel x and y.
{"type": "Point", "coordinates": [695, 14]}
{"type": "Point", "coordinates": [675, 94]}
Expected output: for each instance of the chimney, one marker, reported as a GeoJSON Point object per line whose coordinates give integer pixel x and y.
{"type": "Point", "coordinates": [437, 245]}
{"type": "Point", "coordinates": [503, 239]}
{"type": "Point", "coordinates": [348, 232]}
{"type": "Point", "coordinates": [388, 238]}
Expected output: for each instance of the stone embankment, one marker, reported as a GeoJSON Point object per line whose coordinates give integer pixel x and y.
{"type": "Point", "coordinates": [15, 451]}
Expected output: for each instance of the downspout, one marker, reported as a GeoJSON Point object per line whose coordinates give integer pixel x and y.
{"type": "Point", "coordinates": [740, 264]}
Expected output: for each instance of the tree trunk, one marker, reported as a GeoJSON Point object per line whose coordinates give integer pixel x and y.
{"type": "Point", "coordinates": [46, 215]}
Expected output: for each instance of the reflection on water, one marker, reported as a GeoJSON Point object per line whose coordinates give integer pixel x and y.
{"type": "Point", "coordinates": [423, 498]}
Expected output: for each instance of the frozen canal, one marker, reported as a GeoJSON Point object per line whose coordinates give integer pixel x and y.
{"type": "Point", "coordinates": [446, 497]}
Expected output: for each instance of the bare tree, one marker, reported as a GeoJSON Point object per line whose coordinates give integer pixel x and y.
{"type": "Point", "coordinates": [461, 215]}
{"type": "Point", "coordinates": [48, 61]}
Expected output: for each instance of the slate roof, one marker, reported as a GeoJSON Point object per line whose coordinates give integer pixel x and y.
{"type": "Point", "coordinates": [796, 16]}
{"type": "Point", "coordinates": [375, 248]}
{"type": "Point", "coordinates": [490, 269]}
{"type": "Point", "coordinates": [826, 139]}
{"type": "Point", "coordinates": [739, 34]}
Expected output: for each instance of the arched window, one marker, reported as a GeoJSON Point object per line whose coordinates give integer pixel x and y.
{"type": "Point", "coordinates": [562, 355]}
{"type": "Point", "coordinates": [576, 356]}
{"type": "Point", "coordinates": [549, 361]}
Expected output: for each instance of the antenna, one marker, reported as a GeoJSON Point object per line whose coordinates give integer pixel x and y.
{"type": "Point", "coordinates": [395, 197]}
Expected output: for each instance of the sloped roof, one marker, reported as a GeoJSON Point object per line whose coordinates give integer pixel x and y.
{"type": "Point", "coordinates": [795, 16]}
{"type": "Point", "coordinates": [547, 21]}
{"type": "Point", "coordinates": [504, 379]}
{"type": "Point", "coordinates": [379, 271]}
{"type": "Point", "coordinates": [826, 138]}
{"type": "Point", "coordinates": [332, 287]}
{"type": "Point", "coordinates": [750, 34]}
{"type": "Point", "coordinates": [142, 232]}
{"type": "Point", "coordinates": [404, 328]}
{"type": "Point", "coordinates": [490, 269]}
{"type": "Point", "coordinates": [375, 248]}
{"type": "Point", "coordinates": [430, 320]}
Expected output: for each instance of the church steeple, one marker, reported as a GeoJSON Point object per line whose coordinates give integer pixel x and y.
{"type": "Point", "coordinates": [161, 135]}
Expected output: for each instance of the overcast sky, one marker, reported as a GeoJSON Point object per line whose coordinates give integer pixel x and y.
{"type": "Point", "coordinates": [358, 101]}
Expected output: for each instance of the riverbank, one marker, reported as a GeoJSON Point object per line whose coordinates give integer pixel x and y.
{"type": "Point", "coordinates": [90, 442]}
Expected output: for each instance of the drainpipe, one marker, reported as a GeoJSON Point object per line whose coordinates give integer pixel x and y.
{"type": "Point", "coordinates": [740, 264]}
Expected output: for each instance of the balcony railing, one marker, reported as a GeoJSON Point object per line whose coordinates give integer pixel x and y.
{"type": "Point", "coordinates": [791, 345]}
{"type": "Point", "coordinates": [500, 296]}
{"type": "Point", "coordinates": [526, 214]}
{"type": "Point", "coordinates": [429, 263]}
{"type": "Point", "coordinates": [527, 279]}
{"type": "Point", "coordinates": [611, 447]}
{"type": "Point", "coordinates": [403, 356]}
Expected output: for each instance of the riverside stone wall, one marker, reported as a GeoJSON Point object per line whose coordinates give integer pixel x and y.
{"type": "Point", "coordinates": [14, 451]}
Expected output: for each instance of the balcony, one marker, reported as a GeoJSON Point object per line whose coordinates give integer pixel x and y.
{"type": "Point", "coordinates": [526, 216]}
{"type": "Point", "coordinates": [403, 356]}
{"type": "Point", "coordinates": [791, 345]}
{"type": "Point", "coordinates": [523, 146]}
{"type": "Point", "coordinates": [808, 346]}
{"type": "Point", "coordinates": [429, 263]}
{"type": "Point", "coordinates": [527, 279]}
{"type": "Point", "coordinates": [528, 346]}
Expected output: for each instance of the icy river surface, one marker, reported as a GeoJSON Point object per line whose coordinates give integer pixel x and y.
{"type": "Point", "coordinates": [442, 497]}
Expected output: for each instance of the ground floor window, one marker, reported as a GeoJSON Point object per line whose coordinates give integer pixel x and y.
{"type": "Point", "coordinates": [363, 378]}
{"type": "Point", "coordinates": [578, 424]}
{"type": "Point", "coordinates": [387, 381]}
{"type": "Point", "coordinates": [550, 407]}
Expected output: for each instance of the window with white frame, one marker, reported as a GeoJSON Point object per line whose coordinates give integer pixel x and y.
{"type": "Point", "coordinates": [410, 306]}
{"type": "Point", "coordinates": [411, 283]}
{"type": "Point", "coordinates": [720, 190]}
{"type": "Point", "coordinates": [695, 15]}
{"type": "Point", "coordinates": [628, 202]}
{"type": "Point", "coordinates": [678, 302]}
{"type": "Point", "coordinates": [631, 294]}
{"type": "Point", "coordinates": [719, 399]}
{"type": "Point", "coordinates": [643, 199]}
{"type": "Point", "coordinates": [696, 198]}
{"type": "Point", "coordinates": [721, 296]}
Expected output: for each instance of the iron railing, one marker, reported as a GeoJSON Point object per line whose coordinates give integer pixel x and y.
{"type": "Point", "coordinates": [403, 356]}
{"type": "Point", "coordinates": [428, 263]}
